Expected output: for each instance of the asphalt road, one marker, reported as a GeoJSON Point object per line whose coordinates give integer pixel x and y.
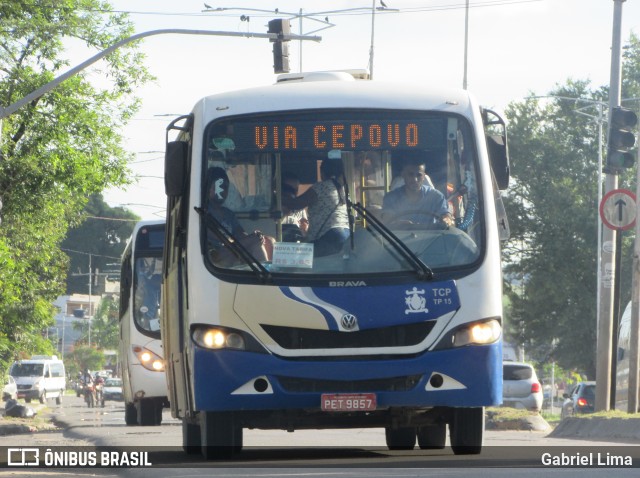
{"type": "Point", "coordinates": [335, 453]}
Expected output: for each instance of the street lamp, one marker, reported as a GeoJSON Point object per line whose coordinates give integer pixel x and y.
{"type": "Point", "coordinates": [12, 108]}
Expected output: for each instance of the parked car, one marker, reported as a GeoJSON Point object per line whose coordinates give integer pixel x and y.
{"type": "Point", "coordinates": [113, 389]}
{"type": "Point", "coordinates": [10, 389]}
{"type": "Point", "coordinates": [520, 387]}
{"type": "Point", "coordinates": [581, 399]}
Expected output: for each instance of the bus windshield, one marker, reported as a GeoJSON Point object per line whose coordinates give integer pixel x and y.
{"type": "Point", "coordinates": [146, 311]}
{"type": "Point", "coordinates": [341, 192]}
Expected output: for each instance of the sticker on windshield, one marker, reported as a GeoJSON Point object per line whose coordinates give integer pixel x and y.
{"type": "Point", "coordinates": [292, 254]}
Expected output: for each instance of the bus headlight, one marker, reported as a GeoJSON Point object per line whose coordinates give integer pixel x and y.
{"type": "Point", "coordinates": [218, 338]}
{"type": "Point", "coordinates": [478, 333]}
{"type": "Point", "coordinates": [148, 359]}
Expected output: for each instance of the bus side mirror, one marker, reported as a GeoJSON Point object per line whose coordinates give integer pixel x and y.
{"type": "Point", "coordinates": [499, 158]}
{"type": "Point", "coordinates": [497, 146]}
{"type": "Point", "coordinates": [175, 166]}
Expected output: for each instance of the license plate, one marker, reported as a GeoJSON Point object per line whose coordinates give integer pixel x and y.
{"type": "Point", "coordinates": [348, 402]}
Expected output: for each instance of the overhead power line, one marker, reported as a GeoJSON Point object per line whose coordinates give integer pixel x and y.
{"type": "Point", "coordinates": [364, 12]}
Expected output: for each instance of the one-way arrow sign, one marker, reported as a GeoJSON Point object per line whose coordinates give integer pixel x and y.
{"type": "Point", "coordinates": [618, 209]}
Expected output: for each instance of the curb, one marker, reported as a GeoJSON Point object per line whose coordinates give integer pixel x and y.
{"type": "Point", "coordinates": [17, 426]}
{"type": "Point", "coordinates": [16, 429]}
{"type": "Point", "coordinates": [534, 423]}
{"type": "Point", "coordinates": [598, 427]}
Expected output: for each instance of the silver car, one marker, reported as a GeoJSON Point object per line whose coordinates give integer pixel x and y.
{"type": "Point", "coordinates": [520, 387]}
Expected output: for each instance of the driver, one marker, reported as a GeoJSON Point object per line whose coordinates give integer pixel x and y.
{"type": "Point", "coordinates": [415, 202]}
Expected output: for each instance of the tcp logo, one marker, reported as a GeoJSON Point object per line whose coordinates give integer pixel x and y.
{"type": "Point", "coordinates": [23, 457]}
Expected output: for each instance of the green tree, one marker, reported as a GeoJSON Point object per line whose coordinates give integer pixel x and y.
{"type": "Point", "coordinates": [56, 151]}
{"type": "Point", "coordinates": [105, 332]}
{"type": "Point", "coordinates": [551, 258]}
{"type": "Point", "coordinates": [82, 358]}
{"type": "Point", "coordinates": [103, 234]}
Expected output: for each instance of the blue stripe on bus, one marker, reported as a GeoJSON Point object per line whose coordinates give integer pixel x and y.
{"type": "Point", "coordinates": [379, 306]}
{"type": "Point", "coordinates": [219, 373]}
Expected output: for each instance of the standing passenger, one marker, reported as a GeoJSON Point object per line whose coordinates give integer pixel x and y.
{"type": "Point", "coordinates": [327, 209]}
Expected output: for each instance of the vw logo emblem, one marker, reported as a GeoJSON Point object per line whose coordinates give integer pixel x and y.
{"type": "Point", "coordinates": [349, 322]}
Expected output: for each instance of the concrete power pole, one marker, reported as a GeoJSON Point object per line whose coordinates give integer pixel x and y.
{"type": "Point", "coordinates": [607, 264]}
{"type": "Point", "coordinates": [634, 334]}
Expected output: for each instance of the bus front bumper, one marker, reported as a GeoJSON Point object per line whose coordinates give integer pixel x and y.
{"type": "Point", "coordinates": [469, 376]}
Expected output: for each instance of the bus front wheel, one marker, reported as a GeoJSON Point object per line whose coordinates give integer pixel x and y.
{"type": "Point", "coordinates": [220, 435]}
{"type": "Point", "coordinates": [466, 430]}
{"type": "Point", "coordinates": [432, 437]}
{"type": "Point", "coordinates": [130, 414]}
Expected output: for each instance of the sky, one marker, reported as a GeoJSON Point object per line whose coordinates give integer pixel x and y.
{"type": "Point", "coordinates": [515, 48]}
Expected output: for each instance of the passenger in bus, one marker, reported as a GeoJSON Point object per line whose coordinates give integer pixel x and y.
{"type": "Point", "coordinates": [259, 245]}
{"type": "Point", "coordinates": [415, 202]}
{"type": "Point", "coordinates": [327, 209]}
{"type": "Point", "coordinates": [296, 223]}
{"type": "Point", "coordinates": [147, 297]}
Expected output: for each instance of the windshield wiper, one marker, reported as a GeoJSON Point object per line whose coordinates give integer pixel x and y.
{"type": "Point", "coordinates": [226, 238]}
{"type": "Point", "coordinates": [424, 271]}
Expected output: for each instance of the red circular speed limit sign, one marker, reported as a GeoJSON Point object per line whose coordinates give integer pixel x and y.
{"type": "Point", "coordinates": [618, 209]}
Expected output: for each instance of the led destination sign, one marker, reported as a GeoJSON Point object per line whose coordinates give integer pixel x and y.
{"type": "Point", "coordinates": [280, 136]}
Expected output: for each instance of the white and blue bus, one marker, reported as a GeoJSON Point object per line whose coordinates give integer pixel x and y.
{"type": "Point", "coordinates": [400, 328]}
{"type": "Point", "coordinates": [144, 384]}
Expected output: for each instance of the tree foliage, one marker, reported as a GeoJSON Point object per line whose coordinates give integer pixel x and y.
{"type": "Point", "coordinates": [57, 150]}
{"type": "Point", "coordinates": [84, 357]}
{"type": "Point", "coordinates": [105, 331]}
{"type": "Point", "coordinates": [103, 234]}
{"type": "Point", "coordinates": [551, 258]}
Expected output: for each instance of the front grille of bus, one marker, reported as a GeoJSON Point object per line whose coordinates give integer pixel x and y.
{"type": "Point", "coordinates": [393, 384]}
{"type": "Point", "coordinates": [297, 338]}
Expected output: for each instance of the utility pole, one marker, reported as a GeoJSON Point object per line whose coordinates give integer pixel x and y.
{"type": "Point", "coordinates": [383, 8]}
{"type": "Point", "coordinates": [466, 44]}
{"type": "Point", "coordinates": [373, 26]}
{"type": "Point", "coordinates": [634, 333]}
{"type": "Point", "coordinates": [608, 271]}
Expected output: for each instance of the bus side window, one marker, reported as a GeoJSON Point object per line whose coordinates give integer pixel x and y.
{"type": "Point", "coordinates": [125, 284]}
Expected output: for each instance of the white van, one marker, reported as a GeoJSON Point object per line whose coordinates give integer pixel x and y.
{"type": "Point", "coordinates": [40, 377]}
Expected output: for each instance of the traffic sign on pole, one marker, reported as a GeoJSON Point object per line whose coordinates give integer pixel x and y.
{"type": "Point", "coordinates": [618, 209]}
